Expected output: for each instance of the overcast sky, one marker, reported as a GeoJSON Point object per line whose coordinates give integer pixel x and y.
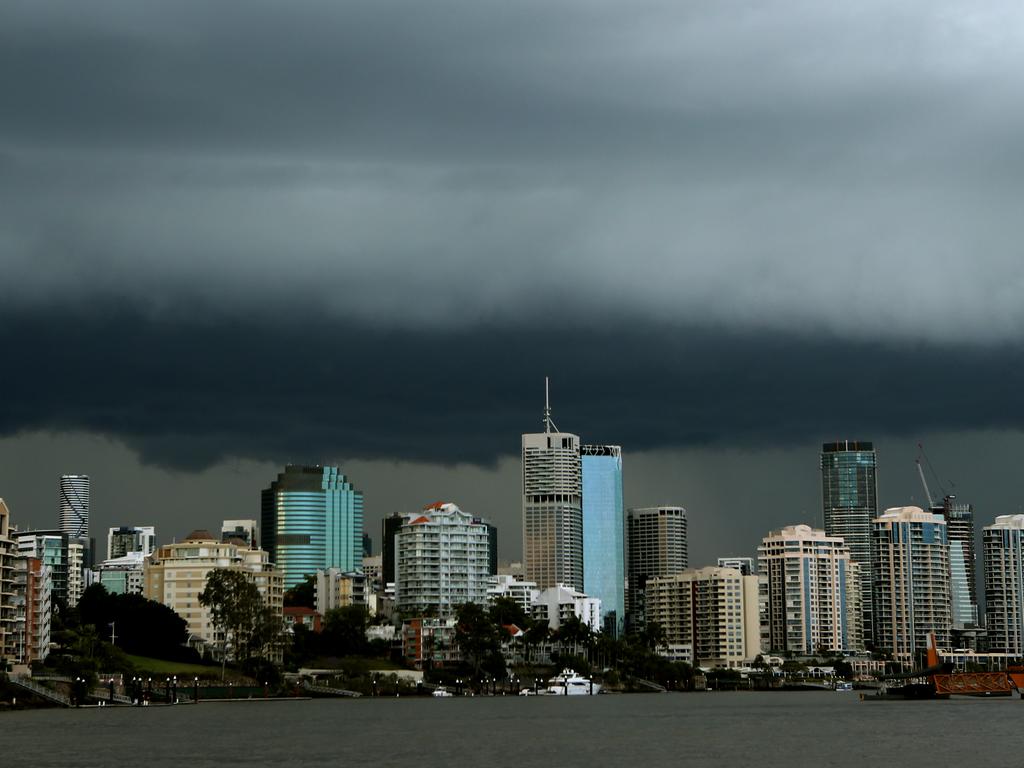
{"type": "Point", "coordinates": [238, 234]}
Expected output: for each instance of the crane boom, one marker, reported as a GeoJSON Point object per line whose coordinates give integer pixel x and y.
{"type": "Point", "coordinates": [927, 492]}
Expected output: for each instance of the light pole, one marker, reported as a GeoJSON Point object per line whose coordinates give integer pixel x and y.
{"type": "Point", "coordinates": [196, 683]}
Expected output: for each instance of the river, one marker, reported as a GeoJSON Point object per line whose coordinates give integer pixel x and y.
{"type": "Point", "coordinates": [640, 731]}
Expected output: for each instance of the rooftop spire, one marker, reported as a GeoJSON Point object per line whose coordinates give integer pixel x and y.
{"type": "Point", "coordinates": [549, 425]}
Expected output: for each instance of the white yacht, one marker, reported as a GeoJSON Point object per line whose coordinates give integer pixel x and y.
{"type": "Point", "coordinates": [441, 693]}
{"type": "Point", "coordinates": [569, 683]}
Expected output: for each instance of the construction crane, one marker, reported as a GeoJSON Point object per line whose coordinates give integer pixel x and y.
{"type": "Point", "coordinates": [920, 471]}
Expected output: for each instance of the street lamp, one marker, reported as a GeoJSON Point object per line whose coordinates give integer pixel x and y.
{"type": "Point", "coordinates": [196, 683]}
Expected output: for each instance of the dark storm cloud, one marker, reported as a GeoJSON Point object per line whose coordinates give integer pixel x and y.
{"type": "Point", "coordinates": [192, 392]}
{"type": "Point", "coordinates": [787, 165]}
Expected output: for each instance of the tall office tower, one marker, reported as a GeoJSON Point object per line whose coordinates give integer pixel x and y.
{"type": "Point", "coordinates": [744, 565]}
{"type": "Point", "coordinates": [552, 506]}
{"type": "Point", "coordinates": [813, 592]}
{"type": "Point", "coordinates": [655, 546]}
{"type": "Point", "coordinates": [7, 557]}
{"type": "Point", "coordinates": [911, 578]}
{"type": "Point", "coordinates": [247, 531]}
{"type": "Point", "coordinates": [126, 539]}
{"type": "Point", "coordinates": [52, 548]}
{"type": "Point", "coordinates": [604, 552]}
{"type": "Point", "coordinates": [1003, 548]}
{"type": "Point", "coordinates": [959, 518]}
{"type": "Point", "coordinates": [388, 528]}
{"type": "Point", "coordinates": [367, 545]}
{"type": "Point", "coordinates": [849, 492]}
{"type": "Point", "coordinates": [74, 506]}
{"type": "Point", "coordinates": [709, 616]}
{"type": "Point", "coordinates": [312, 519]}
{"type": "Point", "coordinates": [442, 559]}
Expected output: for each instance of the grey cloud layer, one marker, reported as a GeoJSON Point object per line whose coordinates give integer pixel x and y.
{"type": "Point", "coordinates": [786, 165]}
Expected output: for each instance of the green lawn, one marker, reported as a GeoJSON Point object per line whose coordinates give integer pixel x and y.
{"type": "Point", "coordinates": [161, 667]}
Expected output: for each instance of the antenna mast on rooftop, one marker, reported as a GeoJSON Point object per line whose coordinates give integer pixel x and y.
{"type": "Point", "coordinates": [549, 425]}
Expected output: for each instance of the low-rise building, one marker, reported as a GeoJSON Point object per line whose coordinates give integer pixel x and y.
{"type": "Point", "coordinates": [338, 589]}
{"type": "Point", "coordinates": [523, 593]}
{"type": "Point", "coordinates": [430, 642]}
{"type": "Point", "coordinates": [558, 603]}
{"type": "Point", "coordinates": [712, 610]}
{"type": "Point", "coordinates": [175, 575]}
{"type": "Point", "coordinates": [300, 615]}
{"type": "Point", "coordinates": [122, 575]}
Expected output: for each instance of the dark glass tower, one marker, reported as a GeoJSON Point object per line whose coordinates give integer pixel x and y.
{"type": "Point", "coordinates": [312, 518]}
{"type": "Point", "coordinates": [849, 492]}
{"type": "Point", "coordinates": [389, 527]}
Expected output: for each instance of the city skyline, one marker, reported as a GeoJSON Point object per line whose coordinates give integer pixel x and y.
{"type": "Point", "coordinates": [728, 233]}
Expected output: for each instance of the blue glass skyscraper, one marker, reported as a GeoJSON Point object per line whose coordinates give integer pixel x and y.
{"type": "Point", "coordinates": [604, 571]}
{"type": "Point", "coordinates": [312, 518]}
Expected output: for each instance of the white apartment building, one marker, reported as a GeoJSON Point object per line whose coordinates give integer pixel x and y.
{"type": "Point", "coordinates": [524, 593]}
{"type": "Point", "coordinates": [1003, 547]}
{"type": "Point", "coordinates": [558, 603]}
{"type": "Point", "coordinates": [911, 582]}
{"type": "Point", "coordinates": [175, 575]}
{"type": "Point", "coordinates": [709, 615]}
{"type": "Point", "coordinates": [813, 590]}
{"type": "Point", "coordinates": [442, 560]}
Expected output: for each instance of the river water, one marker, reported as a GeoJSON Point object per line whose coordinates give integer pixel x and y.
{"type": "Point", "coordinates": [640, 731]}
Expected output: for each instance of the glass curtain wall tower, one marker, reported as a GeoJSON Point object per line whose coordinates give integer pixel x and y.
{"type": "Point", "coordinates": [849, 492]}
{"type": "Point", "coordinates": [603, 523]}
{"type": "Point", "coordinates": [552, 506]}
{"type": "Point", "coordinates": [312, 519]}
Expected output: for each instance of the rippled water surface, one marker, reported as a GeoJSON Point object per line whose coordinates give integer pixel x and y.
{"type": "Point", "coordinates": [713, 729]}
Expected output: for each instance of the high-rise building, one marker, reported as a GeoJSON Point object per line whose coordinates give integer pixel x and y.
{"type": "Point", "coordinates": [655, 546]}
{"type": "Point", "coordinates": [8, 554]}
{"type": "Point", "coordinates": [959, 518]}
{"type": "Point", "coordinates": [78, 560]}
{"type": "Point", "coordinates": [1003, 548]}
{"type": "Point", "coordinates": [604, 551]}
{"type": "Point", "coordinates": [552, 507]}
{"type": "Point", "coordinates": [442, 561]}
{"type": "Point", "coordinates": [52, 547]}
{"type": "Point", "coordinates": [492, 548]}
{"type": "Point", "coordinates": [74, 506]}
{"type": "Point", "coordinates": [175, 575]}
{"type": "Point", "coordinates": [813, 592]}
{"type": "Point", "coordinates": [849, 492]}
{"type": "Point", "coordinates": [130, 538]}
{"type": "Point", "coordinates": [247, 531]}
{"type": "Point", "coordinates": [709, 615]}
{"type": "Point", "coordinates": [367, 545]}
{"type": "Point", "coordinates": [312, 519]}
{"type": "Point", "coordinates": [911, 582]}
{"type": "Point", "coordinates": [389, 527]}
{"type": "Point", "coordinates": [33, 610]}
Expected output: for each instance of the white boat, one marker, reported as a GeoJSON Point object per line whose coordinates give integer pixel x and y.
{"type": "Point", "coordinates": [441, 693]}
{"type": "Point", "coordinates": [843, 685]}
{"type": "Point", "coordinates": [569, 683]}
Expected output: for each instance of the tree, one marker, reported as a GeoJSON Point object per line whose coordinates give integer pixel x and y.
{"type": "Point", "coordinates": [507, 611]}
{"type": "Point", "coordinates": [344, 632]}
{"type": "Point", "coordinates": [476, 635]}
{"type": "Point", "coordinates": [302, 595]}
{"type": "Point", "coordinates": [237, 611]}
